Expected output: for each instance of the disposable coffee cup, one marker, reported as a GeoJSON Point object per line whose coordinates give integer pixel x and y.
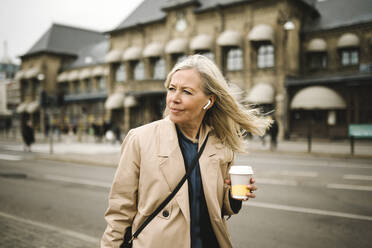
{"type": "Point", "coordinates": [240, 177]}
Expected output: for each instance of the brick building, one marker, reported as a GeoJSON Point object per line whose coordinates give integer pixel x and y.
{"type": "Point", "coordinates": [308, 60]}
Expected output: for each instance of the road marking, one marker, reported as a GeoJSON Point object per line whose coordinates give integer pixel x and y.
{"type": "Point", "coordinates": [358, 177]}
{"type": "Point", "coordinates": [307, 210]}
{"type": "Point", "coordinates": [329, 186]}
{"type": "Point", "coordinates": [63, 231]}
{"type": "Point", "coordinates": [348, 186]}
{"type": "Point", "coordinates": [10, 157]}
{"type": "Point", "coordinates": [12, 147]}
{"type": "Point", "coordinates": [299, 173]}
{"type": "Point", "coordinates": [78, 181]}
{"type": "Point", "coordinates": [306, 163]}
{"type": "Point", "coordinates": [276, 181]}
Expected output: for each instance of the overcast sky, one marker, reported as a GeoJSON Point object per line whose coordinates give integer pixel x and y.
{"type": "Point", "coordinates": [23, 22]}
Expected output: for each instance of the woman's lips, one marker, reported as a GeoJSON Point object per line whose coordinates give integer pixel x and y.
{"type": "Point", "coordinates": [174, 110]}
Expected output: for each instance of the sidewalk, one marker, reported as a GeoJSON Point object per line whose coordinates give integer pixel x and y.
{"type": "Point", "coordinates": [69, 149]}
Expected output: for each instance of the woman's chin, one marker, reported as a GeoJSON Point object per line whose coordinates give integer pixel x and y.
{"type": "Point", "coordinates": [175, 119]}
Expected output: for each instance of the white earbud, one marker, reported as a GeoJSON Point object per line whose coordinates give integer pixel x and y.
{"type": "Point", "coordinates": [206, 106]}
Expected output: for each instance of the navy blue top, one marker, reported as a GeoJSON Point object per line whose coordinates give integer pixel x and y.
{"type": "Point", "coordinates": [202, 234]}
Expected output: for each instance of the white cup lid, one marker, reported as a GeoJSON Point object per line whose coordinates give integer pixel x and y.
{"type": "Point", "coordinates": [241, 169]}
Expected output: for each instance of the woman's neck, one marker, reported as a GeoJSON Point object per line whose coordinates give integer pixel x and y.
{"type": "Point", "coordinates": [190, 132]}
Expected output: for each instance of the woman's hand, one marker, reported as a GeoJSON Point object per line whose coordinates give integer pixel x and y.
{"type": "Point", "coordinates": [251, 188]}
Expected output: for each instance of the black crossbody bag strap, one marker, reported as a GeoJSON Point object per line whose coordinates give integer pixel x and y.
{"type": "Point", "coordinates": [169, 198]}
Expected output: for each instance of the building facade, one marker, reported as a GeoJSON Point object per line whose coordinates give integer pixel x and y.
{"type": "Point", "coordinates": [306, 62]}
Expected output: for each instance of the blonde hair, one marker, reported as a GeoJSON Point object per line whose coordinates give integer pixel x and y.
{"type": "Point", "coordinates": [228, 117]}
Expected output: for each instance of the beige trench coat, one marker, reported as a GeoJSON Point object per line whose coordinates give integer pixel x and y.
{"type": "Point", "coordinates": [150, 167]}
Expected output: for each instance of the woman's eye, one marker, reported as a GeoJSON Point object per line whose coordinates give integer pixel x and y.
{"type": "Point", "coordinates": [171, 89]}
{"type": "Point", "coordinates": [187, 92]}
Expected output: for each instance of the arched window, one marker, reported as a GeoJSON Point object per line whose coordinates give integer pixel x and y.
{"type": "Point", "coordinates": [120, 73]}
{"type": "Point", "coordinates": [139, 71]}
{"type": "Point", "coordinates": [101, 84]}
{"type": "Point", "coordinates": [159, 68]}
{"type": "Point", "coordinates": [349, 56]}
{"type": "Point", "coordinates": [265, 56]}
{"type": "Point", "coordinates": [317, 60]}
{"type": "Point", "coordinates": [88, 85]}
{"type": "Point", "coordinates": [234, 59]}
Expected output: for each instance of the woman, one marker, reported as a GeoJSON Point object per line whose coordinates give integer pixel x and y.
{"type": "Point", "coordinates": [155, 157]}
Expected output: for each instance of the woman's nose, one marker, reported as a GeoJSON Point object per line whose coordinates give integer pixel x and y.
{"type": "Point", "coordinates": [175, 97]}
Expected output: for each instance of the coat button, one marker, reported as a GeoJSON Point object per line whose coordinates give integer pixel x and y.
{"type": "Point", "coordinates": [165, 213]}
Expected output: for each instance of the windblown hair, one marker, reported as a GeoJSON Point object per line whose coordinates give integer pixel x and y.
{"type": "Point", "coordinates": [229, 119]}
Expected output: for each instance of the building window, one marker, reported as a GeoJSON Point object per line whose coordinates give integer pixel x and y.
{"type": "Point", "coordinates": [159, 68]}
{"type": "Point", "coordinates": [349, 57]}
{"type": "Point", "coordinates": [317, 60]}
{"type": "Point", "coordinates": [37, 88]}
{"type": "Point", "coordinates": [178, 57]}
{"type": "Point", "coordinates": [206, 53]}
{"type": "Point", "coordinates": [26, 88]}
{"type": "Point", "coordinates": [265, 56]}
{"type": "Point", "coordinates": [88, 85]}
{"type": "Point", "coordinates": [65, 88]}
{"type": "Point", "coordinates": [234, 59]}
{"type": "Point", "coordinates": [76, 85]}
{"type": "Point", "coordinates": [120, 73]}
{"type": "Point", "coordinates": [101, 84]}
{"type": "Point", "coordinates": [139, 70]}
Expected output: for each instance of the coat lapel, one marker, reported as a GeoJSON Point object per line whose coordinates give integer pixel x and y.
{"type": "Point", "coordinates": [209, 172]}
{"type": "Point", "coordinates": [172, 165]}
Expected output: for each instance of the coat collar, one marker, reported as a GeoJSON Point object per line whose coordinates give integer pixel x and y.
{"type": "Point", "coordinates": [173, 168]}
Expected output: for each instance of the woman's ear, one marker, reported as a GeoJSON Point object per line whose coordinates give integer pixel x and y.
{"type": "Point", "coordinates": [213, 99]}
{"type": "Point", "coordinates": [210, 103]}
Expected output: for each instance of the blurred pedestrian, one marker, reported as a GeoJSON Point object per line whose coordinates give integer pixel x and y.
{"type": "Point", "coordinates": [8, 126]}
{"type": "Point", "coordinates": [117, 133]}
{"type": "Point", "coordinates": [28, 135]}
{"type": "Point", "coordinates": [274, 129]}
{"type": "Point", "coordinates": [200, 111]}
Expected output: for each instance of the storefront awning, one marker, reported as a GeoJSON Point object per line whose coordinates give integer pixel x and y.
{"type": "Point", "coordinates": [154, 49]}
{"type": "Point", "coordinates": [201, 42]}
{"type": "Point", "coordinates": [178, 45]}
{"type": "Point", "coordinates": [132, 53]}
{"type": "Point", "coordinates": [348, 40]}
{"type": "Point", "coordinates": [62, 77]}
{"type": "Point", "coordinates": [317, 45]}
{"type": "Point", "coordinates": [230, 38]}
{"type": "Point", "coordinates": [33, 106]}
{"type": "Point", "coordinates": [115, 101]}
{"type": "Point", "coordinates": [85, 73]}
{"type": "Point", "coordinates": [130, 101]}
{"type": "Point", "coordinates": [20, 74]}
{"type": "Point", "coordinates": [73, 75]}
{"type": "Point", "coordinates": [99, 70]}
{"type": "Point", "coordinates": [113, 56]}
{"type": "Point", "coordinates": [261, 32]}
{"type": "Point", "coordinates": [32, 72]}
{"type": "Point", "coordinates": [22, 107]}
{"type": "Point", "coordinates": [317, 97]}
{"type": "Point", "coordinates": [261, 93]}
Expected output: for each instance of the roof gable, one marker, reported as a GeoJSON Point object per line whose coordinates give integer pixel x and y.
{"type": "Point", "coordinates": [339, 13]}
{"type": "Point", "coordinates": [65, 39]}
{"type": "Point", "coordinates": [155, 10]}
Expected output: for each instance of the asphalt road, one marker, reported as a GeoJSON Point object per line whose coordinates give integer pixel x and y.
{"type": "Point", "coordinates": [301, 202]}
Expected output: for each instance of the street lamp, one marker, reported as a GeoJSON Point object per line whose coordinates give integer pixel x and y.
{"type": "Point", "coordinates": [41, 77]}
{"type": "Point", "coordinates": [289, 25]}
